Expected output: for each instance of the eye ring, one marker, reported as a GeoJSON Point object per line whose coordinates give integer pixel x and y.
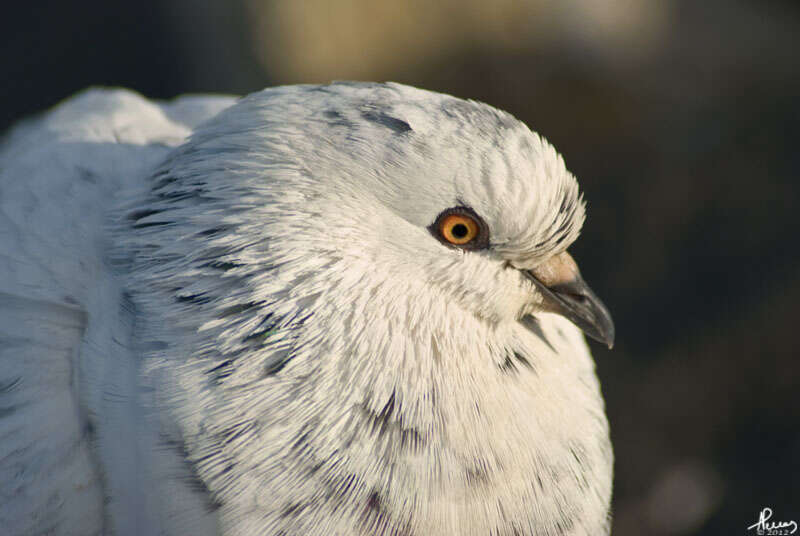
{"type": "Point", "coordinates": [461, 227]}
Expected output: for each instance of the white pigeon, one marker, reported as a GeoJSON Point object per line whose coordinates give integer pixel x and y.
{"type": "Point", "coordinates": [318, 310]}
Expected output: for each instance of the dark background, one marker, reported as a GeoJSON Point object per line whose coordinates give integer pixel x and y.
{"type": "Point", "coordinates": [679, 117]}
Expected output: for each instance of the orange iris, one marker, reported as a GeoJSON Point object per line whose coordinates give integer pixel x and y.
{"type": "Point", "coordinates": [458, 229]}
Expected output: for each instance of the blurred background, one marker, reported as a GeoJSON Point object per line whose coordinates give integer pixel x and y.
{"type": "Point", "coordinates": [679, 117]}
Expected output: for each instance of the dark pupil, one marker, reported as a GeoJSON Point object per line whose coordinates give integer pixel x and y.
{"type": "Point", "coordinates": [460, 230]}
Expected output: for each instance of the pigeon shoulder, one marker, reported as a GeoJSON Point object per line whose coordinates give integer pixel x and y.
{"type": "Point", "coordinates": [62, 171]}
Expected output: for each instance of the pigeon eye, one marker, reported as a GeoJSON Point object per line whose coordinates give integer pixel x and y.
{"type": "Point", "coordinates": [460, 226]}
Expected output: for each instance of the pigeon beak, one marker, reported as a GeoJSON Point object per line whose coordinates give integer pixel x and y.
{"type": "Point", "coordinates": [566, 293]}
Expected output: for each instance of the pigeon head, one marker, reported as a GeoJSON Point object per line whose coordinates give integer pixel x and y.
{"type": "Point", "coordinates": [497, 199]}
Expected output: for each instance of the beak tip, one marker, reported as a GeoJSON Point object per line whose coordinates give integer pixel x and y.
{"type": "Point", "coordinates": [610, 338]}
{"type": "Point", "coordinates": [609, 333]}
{"type": "Point", "coordinates": [600, 327]}
{"type": "Point", "coordinates": [605, 336]}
